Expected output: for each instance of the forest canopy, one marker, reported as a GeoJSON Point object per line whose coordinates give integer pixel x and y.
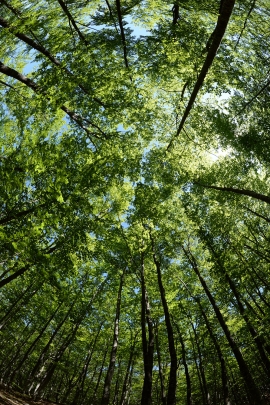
{"type": "Point", "coordinates": [134, 213]}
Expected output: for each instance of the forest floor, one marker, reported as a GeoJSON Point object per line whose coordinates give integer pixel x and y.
{"type": "Point", "coordinates": [10, 397]}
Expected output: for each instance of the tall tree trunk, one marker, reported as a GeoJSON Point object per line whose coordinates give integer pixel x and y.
{"type": "Point", "coordinates": [148, 347]}
{"type": "Point", "coordinates": [82, 376]}
{"type": "Point", "coordinates": [52, 366]}
{"type": "Point", "coordinates": [45, 350]}
{"type": "Point", "coordinates": [224, 377]}
{"type": "Point", "coordinates": [7, 316]}
{"type": "Point", "coordinates": [28, 351]}
{"type": "Point", "coordinates": [252, 389]}
{"type": "Point", "coordinates": [188, 379]}
{"type": "Point", "coordinates": [171, 399]}
{"type": "Point", "coordinates": [201, 368]}
{"type": "Point", "coordinates": [127, 374]}
{"type": "Point", "coordinates": [108, 380]}
{"type": "Point", "coordinates": [160, 371]}
{"type": "Point", "coordinates": [94, 396]}
{"type": "Point", "coordinates": [242, 310]}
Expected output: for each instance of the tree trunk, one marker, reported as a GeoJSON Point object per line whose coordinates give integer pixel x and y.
{"type": "Point", "coordinates": [94, 397]}
{"type": "Point", "coordinates": [28, 351]}
{"type": "Point", "coordinates": [188, 380]}
{"type": "Point", "coordinates": [201, 368]}
{"type": "Point", "coordinates": [160, 371]}
{"type": "Point", "coordinates": [242, 311]}
{"type": "Point", "coordinates": [6, 317]}
{"type": "Point", "coordinates": [126, 379]}
{"type": "Point", "coordinates": [46, 348]}
{"type": "Point", "coordinates": [224, 377]}
{"type": "Point", "coordinates": [252, 390]}
{"type": "Point", "coordinates": [148, 347]}
{"type": "Point", "coordinates": [171, 399]}
{"type": "Point", "coordinates": [82, 376]}
{"type": "Point", "coordinates": [108, 380]}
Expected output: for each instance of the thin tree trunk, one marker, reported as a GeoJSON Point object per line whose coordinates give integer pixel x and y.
{"type": "Point", "coordinates": [160, 371]}
{"type": "Point", "coordinates": [171, 399]}
{"type": "Point", "coordinates": [201, 368]}
{"type": "Point", "coordinates": [252, 389]}
{"type": "Point", "coordinates": [82, 376]}
{"type": "Point", "coordinates": [242, 311]}
{"type": "Point", "coordinates": [94, 397]}
{"type": "Point", "coordinates": [126, 379]}
{"type": "Point", "coordinates": [6, 317]}
{"type": "Point", "coordinates": [224, 377]}
{"type": "Point", "coordinates": [188, 379]}
{"type": "Point", "coordinates": [28, 351]}
{"type": "Point", "coordinates": [108, 380]}
{"type": "Point", "coordinates": [148, 347]}
{"type": "Point", "coordinates": [47, 347]}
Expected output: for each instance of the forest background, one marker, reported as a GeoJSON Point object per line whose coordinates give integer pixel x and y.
{"type": "Point", "coordinates": [134, 222]}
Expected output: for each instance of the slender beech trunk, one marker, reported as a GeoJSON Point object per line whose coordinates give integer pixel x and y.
{"type": "Point", "coordinates": [56, 359]}
{"type": "Point", "coordinates": [94, 397]}
{"type": "Point", "coordinates": [198, 371]}
{"type": "Point", "coordinates": [45, 350]}
{"type": "Point", "coordinates": [81, 379]}
{"type": "Point", "coordinates": [184, 359]}
{"type": "Point", "coordinates": [201, 367]}
{"type": "Point", "coordinates": [252, 389]}
{"type": "Point", "coordinates": [116, 389]}
{"type": "Point", "coordinates": [29, 350]}
{"type": "Point", "coordinates": [148, 347]}
{"type": "Point", "coordinates": [224, 377]}
{"type": "Point", "coordinates": [8, 364]}
{"type": "Point", "coordinates": [127, 374]}
{"type": "Point", "coordinates": [108, 380]}
{"type": "Point", "coordinates": [258, 341]}
{"type": "Point", "coordinates": [6, 317]}
{"type": "Point", "coordinates": [171, 399]}
{"type": "Point", "coordinates": [160, 371]}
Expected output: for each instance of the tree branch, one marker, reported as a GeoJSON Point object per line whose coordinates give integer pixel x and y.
{"type": "Point", "coordinates": [249, 193]}
{"type": "Point", "coordinates": [32, 85]}
{"type": "Point", "coordinates": [118, 7]}
{"type": "Point", "coordinates": [217, 35]}
{"type": "Point", "coordinates": [72, 21]}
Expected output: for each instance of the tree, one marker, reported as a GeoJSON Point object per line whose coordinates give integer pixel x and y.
{"type": "Point", "coordinates": [134, 201]}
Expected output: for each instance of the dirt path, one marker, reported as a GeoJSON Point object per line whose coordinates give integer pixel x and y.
{"type": "Point", "coordinates": [8, 397]}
